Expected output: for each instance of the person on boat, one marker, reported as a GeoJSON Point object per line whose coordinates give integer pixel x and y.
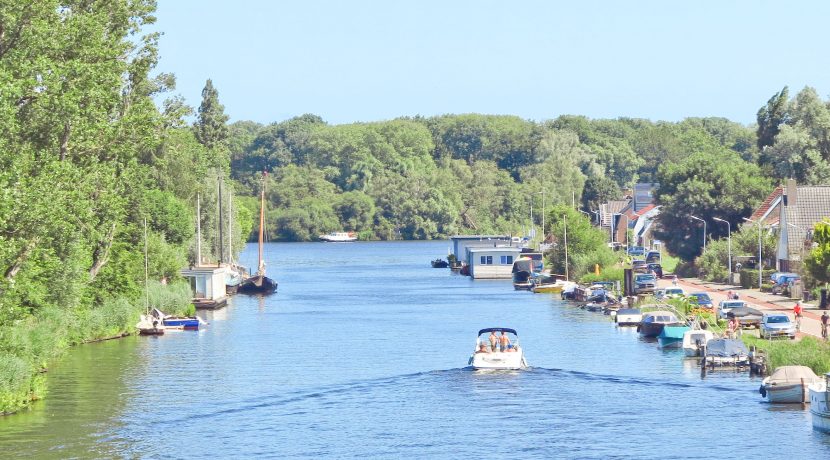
{"type": "Point", "coordinates": [482, 348]}
{"type": "Point", "coordinates": [493, 340]}
{"type": "Point", "coordinates": [504, 341]}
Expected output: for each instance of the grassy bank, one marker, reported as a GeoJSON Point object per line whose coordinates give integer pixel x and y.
{"type": "Point", "coordinates": [809, 351]}
{"type": "Point", "coordinates": [28, 346]}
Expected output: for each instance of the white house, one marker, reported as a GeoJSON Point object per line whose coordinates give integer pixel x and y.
{"type": "Point", "coordinates": [492, 262]}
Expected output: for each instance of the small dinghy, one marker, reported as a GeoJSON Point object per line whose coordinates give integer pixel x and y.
{"type": "Point", "coordinates": [497, 348]}
{"type": "Point", "coordinates": [789, 384]}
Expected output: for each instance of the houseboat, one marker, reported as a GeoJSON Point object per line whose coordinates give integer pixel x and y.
{"type": "Point", "coordinates": [207, 283]}
{"type": "Point", "coordinates": [492, 262]}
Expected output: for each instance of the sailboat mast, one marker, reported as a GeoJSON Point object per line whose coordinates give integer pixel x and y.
{"type": "Point", "coordinates": [261, 225]}
{"type": "Point", "coordinates": [221, 234]}
{"type": "Point", "coordinates": [146, 272]}
{"type": "Point", "coordinates": [230, 227]}
{"type": "Point", "coordinates": [198, 231]}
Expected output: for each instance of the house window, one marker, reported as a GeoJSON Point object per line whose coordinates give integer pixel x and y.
{"type": "Point", "coordinates": [486, 260]}
{"type": "Point", "coordinates": [507, 260]}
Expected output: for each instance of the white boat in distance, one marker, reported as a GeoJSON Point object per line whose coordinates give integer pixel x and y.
{"type": "Point", "coordinates": [506, 354]}
{"type": "Point", "coordinates": [339, 237]}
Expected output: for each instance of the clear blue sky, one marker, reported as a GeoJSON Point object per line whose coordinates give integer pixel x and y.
{"type": "Point", "coordinates": [362, 60]}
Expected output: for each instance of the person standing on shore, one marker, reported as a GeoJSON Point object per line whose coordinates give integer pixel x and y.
{"type": "Point", "coordinates": [825, 318]}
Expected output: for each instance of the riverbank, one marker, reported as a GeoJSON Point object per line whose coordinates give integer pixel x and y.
{"type": "Point", "coordinates": [29, 346]}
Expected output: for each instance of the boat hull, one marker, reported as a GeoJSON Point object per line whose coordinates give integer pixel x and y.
{"type": "Point", "coordinates": [695, 340]}
{"type": "Point", "coordinates": [542, 288]}
{"type": "Point", "coordinates": [669, 342]}
{"type": "Point", "coordinates": [789, 394]}
{"type": "Point", "coordinates": [672, 336]}
{"type": "Point", "coordinates": [820, 407]}
{"type": "Point", "coordinates": [258, 285]}
{"type": "Point", "coordinates": [190, 324]}
{"type": "Point", "coordinates": [499, 361]}
{"type": "Point", "coordinates": [651, 329]}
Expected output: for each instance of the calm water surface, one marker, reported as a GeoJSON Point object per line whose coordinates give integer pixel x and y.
{"type": "Point", "coordinates": [362, 353]}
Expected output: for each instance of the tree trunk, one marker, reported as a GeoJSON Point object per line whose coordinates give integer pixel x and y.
{"type": "Point", "coordinates": [102, 254]}
{"type": "Point", "coordinates": [24, 253]}
{"type": "Point", "coordinates": [67, 130]}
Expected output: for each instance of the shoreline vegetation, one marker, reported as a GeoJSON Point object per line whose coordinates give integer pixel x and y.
{"type": "Point", "coordinates": [87, 155]}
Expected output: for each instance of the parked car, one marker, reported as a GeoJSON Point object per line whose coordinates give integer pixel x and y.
{"type": "Point", "coordinates": [674, 293]}
{"type": "Point", "coordinates": [657, 269]}
{"type": "Point", "coordinates": [701, 299]}
{"type": "Point", "coordinates": [783, 281]}
{"type": "Point", "coordinates": [644, 282]}
{"type": "Point", "coordinates": [653, 257]}
{"type": "Point", "coordinates": [774, 277]}
{"type": "Point", "coordinates": [724, 306]}
{"type": "Point", "coordinates": [777, 325]}
{"type": "Point", "coordinates": [637, 251]}
{"type": "Point", "coordinates": [639, 266]}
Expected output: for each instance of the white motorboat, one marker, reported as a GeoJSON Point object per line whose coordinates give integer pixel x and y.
{"type": "Point", "coordinates": [628, 317]}
{"type": "Point", "coordinates": [339, 237]}
{"type": "Point", "coordinates": [820, 404]}
{"type": "Point", "coordinates": [789, 384]}
{"type": "Point", "coordinates": [494, 352]}
{"type": "Point", "coordinates": [695, 340]}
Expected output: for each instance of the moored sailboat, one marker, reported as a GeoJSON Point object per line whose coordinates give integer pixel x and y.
{"type": "Point", "coordinates": [259, 283]}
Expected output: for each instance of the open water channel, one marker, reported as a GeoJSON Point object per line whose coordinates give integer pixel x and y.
{"type": "Point", "coordinates": [363, 353]}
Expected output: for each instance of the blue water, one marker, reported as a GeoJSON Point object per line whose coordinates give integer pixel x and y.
{"type": "Point", "coordinates": [363, 353]}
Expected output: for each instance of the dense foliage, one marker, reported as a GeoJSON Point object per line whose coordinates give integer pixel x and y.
{"type": "Point", "coordinates": [85, 157]}
{"type": "Point", "coordinates": [432, 177]}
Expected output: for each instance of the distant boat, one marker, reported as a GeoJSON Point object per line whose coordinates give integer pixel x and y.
{"type": "Point", "coordinates": [789, 384]}
{"type": "Point", "coordinates": [188, 323]}
{"type": "Point", "coordinates": [628, 317]}
{"type": "Point", "coordinates": [339, 237]}
{"type": "Point", "coordinates": [259, 283]}
{"type": "Point", "coordinates": [440, 263]}
{"type": "Point", "coordinates": [654, 322]}
{"type": "Point", "coordinates": [695, 340]}
{"type": "Point", "coordinates": [672, 336]}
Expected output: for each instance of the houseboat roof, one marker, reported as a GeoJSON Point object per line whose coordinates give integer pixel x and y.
{"type": "Point", "coordinates": [495, 248]}
{"type": "Point", "coordinates": [481, 237]}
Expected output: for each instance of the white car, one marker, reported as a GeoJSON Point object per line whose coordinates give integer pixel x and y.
{"type": "Point", "coordinates": [674, 292]}
{"type": "Point", "coordinates": [725, 305]}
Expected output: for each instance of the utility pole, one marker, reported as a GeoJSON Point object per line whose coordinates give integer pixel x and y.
{"type": "Point", "coordinates": [565, 224]}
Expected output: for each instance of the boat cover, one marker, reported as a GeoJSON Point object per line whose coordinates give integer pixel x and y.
{"type": "Point", "coordinates": [740, 312]}
{"type": "Point", "coordinates": [792, 374]}
{"type": "Point", "coordinates": [498, 329]}
{"type": "Point", "coordinates": [725, 348]}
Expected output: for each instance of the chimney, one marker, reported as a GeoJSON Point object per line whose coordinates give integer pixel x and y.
{"type": "Point", "coordinates": [792, 193]}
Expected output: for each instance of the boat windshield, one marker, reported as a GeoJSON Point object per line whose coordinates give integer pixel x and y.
{"type": "Point", "coordinates": [485, 338]}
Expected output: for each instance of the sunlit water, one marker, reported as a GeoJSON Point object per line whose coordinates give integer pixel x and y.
{"type": "Point", "coordinates": [363, 353]}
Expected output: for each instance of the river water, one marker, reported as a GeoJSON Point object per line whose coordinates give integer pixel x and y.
{"type": "Point", "coordinates": [363, 353]}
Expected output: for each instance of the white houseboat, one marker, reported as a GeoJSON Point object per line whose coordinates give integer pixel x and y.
{"type": "Point", "coordinates": [492, 262]}
{"type": "Point", "coordinates": [208, 285]}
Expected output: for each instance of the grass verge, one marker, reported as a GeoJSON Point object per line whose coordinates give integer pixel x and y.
{"type": "Point", "coordinates": [809, 351]}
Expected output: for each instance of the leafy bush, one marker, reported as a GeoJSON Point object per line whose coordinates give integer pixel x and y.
{"type": "Point", "coordinates": [809, 351]}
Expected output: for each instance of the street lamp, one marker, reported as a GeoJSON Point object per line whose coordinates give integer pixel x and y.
{"type": "Point", "coordinates": [729, 243]}
{"type": "Point", "coordinates": [760, 276]}
{"type": "Point", "coordinates": [543, 214]}
{"type": "Point", "coordinates": [704, 230]}
{"type": "Point", "coordinates": [565, 225]}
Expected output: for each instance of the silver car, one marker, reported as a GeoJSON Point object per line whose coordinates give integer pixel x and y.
{"type": "Point", "coordinates": [777, 325]}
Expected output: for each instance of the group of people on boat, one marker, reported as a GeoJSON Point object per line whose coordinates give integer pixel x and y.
{"type": "Point", "coordinates": [497, 343]}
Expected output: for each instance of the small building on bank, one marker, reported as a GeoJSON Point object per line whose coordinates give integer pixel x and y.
{"type": "Point", "coordinates": [207, 283]}
{"type": "Point", "coordinates": [492, 262]}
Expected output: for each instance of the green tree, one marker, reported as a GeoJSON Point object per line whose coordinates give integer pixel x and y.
{"type": "Point", "coordinates": [210, 128]}
{"type": "Point", "coordinates": [705, 185]}
{"type": "Point", "coordinates": [771, 116]}
{"type": "Point", "coordinates": [818, 261]}
{"type": "Point", "coordinates": [586, 244]}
